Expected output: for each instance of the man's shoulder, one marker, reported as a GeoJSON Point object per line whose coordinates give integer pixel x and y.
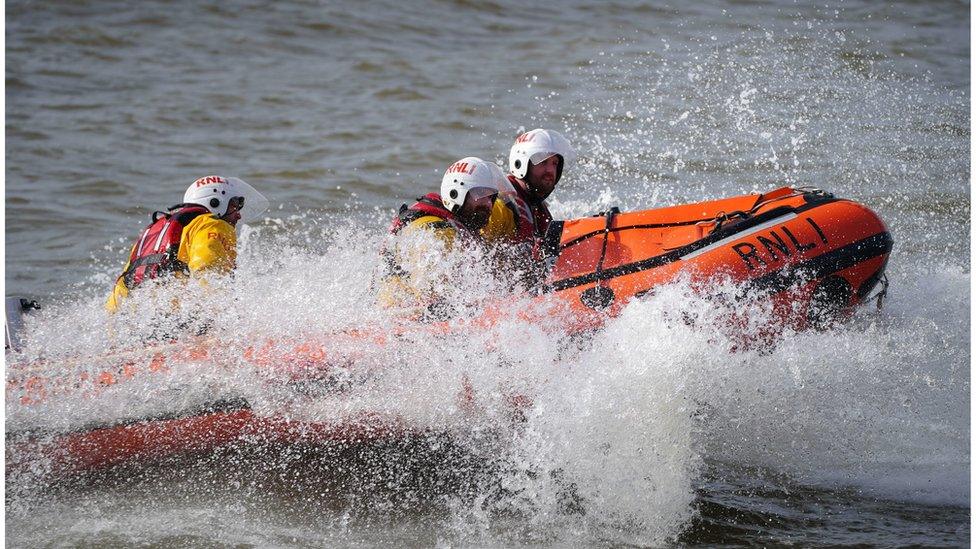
{"type": "Point", "coordinates": [444, 229]}
{"type": "Point", "coordinates": [208, 219]}
{"type": "Point", "coordinates": [210, 223]}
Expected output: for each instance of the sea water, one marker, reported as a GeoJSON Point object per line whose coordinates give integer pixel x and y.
{"type": "Point", "coordinates": [653, 431]}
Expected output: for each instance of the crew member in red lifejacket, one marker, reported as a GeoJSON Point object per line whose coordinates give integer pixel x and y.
{"type": "Point", "coordinates": [192, 238]}
{"type": "Point", "coordinates": [477, 205]}
{"type": "Point", "coordinates": [536, 163]}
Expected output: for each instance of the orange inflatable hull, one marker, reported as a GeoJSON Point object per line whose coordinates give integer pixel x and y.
{"type": "Point", "coordinates": [785, 243]}
{"type": "Point", "coordinates": [801, 250]}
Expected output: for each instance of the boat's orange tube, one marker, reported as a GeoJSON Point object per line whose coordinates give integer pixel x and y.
{"type": "Point", "coordinates": [768, 242]}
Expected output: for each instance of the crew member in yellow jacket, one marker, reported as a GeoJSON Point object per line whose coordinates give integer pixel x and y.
{"type": "Point", "coordinates": [476, 205]}
{"type": "Point", "coordinates": [192, 238]}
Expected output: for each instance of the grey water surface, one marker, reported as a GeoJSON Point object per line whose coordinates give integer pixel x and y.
{"type": "Point", "coordinates": [339, 111]}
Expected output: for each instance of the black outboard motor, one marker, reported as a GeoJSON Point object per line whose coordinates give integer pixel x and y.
{"type": "Point", "coordinates": [13, 326]}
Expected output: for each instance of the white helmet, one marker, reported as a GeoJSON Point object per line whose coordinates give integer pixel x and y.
{"type": "Point", "coordinates": [468, 174]}
{"type": "Point", "coordinates": [214, 192]}
{"type": "Point", "coordinates": [536, 146]}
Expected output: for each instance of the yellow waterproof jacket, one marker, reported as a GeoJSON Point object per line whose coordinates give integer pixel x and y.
{"type": "Point", "coordinates": [502, 225]}
{"type": "Point", "coordinates": [407, 286]}
{"type": "Point", "coordinates": [208, 244]}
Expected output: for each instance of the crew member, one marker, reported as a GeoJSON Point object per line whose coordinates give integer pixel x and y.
{"type": "Point", "coordinates": [536, 163]}
{"type": "Point", "coordinates": [193, 238]}
{"type": "Point", "coordinates": [476, 205]}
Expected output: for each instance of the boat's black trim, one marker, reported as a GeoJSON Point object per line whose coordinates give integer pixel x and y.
{"type": "Point", "coordinates": [812, 202]}
{"type": "Point", "coordinates": [670, 256]}
{"type": "Point", "coordinates": [823, 265]}
{"type": "Point", "coordinates": [848, 255]}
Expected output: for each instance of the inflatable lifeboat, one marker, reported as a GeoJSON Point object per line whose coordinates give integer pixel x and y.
{"type": "Point", "coordinates": [810, 254]}
{"type": "Point", "coordinates": [823, 254]}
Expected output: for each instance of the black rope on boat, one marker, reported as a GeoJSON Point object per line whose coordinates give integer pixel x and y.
{"type": "Point", "coordinates": [813, 197]}
{"type": "Point", "coordinates": [599, 297]}
{"type": "Point", "coordinates": [606, 238]}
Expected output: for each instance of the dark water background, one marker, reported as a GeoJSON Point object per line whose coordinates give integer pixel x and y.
{"type": "Point", "coordinates": [340, 111]}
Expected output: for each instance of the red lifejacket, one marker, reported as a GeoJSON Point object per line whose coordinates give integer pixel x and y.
{"type": "Point", "coordinates": [524, 225]}
{"type": "Point", "coordinates": [429, 204]}
{"type": "Point", "coordinates": [539, 210]}
{"type": "Point", "coordinates": [154, 255]}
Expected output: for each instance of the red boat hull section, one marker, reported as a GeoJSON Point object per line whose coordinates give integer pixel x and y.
{"type": "Point", "coordinates": [154, 439]}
